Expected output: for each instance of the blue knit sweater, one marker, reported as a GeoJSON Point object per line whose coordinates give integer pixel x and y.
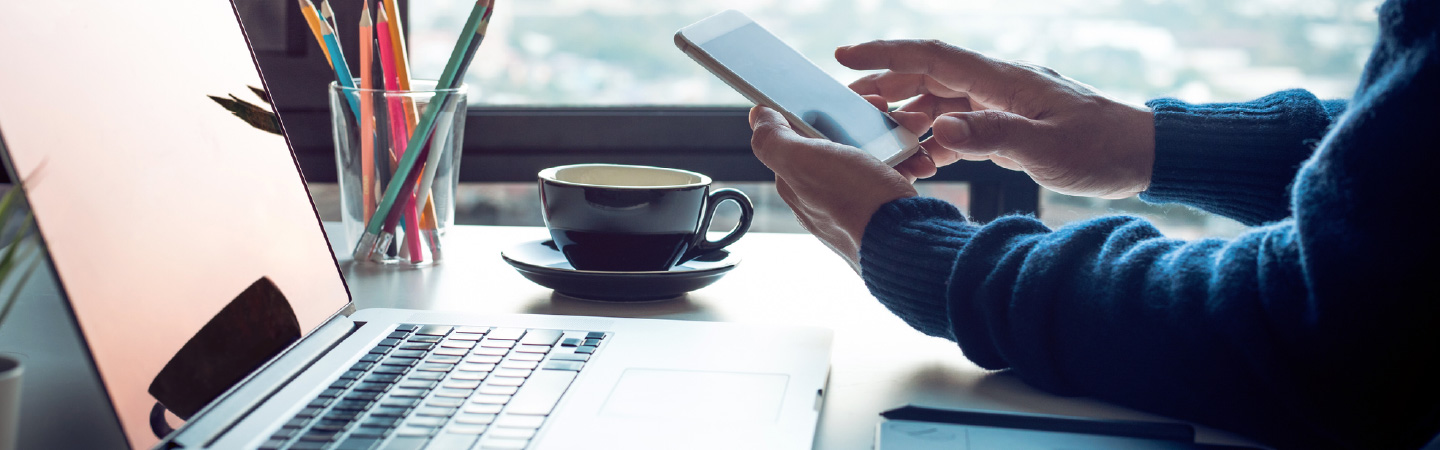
{"type": "Point", "coordinates": [1317, 328]}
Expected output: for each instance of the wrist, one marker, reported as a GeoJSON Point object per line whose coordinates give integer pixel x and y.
{"type": "Point", "coordinates": [1135, 145]}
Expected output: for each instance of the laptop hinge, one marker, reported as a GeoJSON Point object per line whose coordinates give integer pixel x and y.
{"type": "Point", "coordinates": [217, 417]}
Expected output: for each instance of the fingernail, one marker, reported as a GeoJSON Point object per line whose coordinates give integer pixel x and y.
{"type": "Point", "coordinates": [951, 130]}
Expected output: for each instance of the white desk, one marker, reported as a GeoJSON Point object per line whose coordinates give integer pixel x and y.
{"type": "Point", "coordinates": [878, 361]}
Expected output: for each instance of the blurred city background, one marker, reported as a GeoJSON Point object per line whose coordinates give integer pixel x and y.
{"type": "Point", "coordinates": [622, 52]}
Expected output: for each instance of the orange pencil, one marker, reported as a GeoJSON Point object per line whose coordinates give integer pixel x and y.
{"type": "Point", "coordinates": [367, 113]}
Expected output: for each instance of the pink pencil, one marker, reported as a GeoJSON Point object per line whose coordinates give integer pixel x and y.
{"type": "Point", "coordinates": [399, 135]}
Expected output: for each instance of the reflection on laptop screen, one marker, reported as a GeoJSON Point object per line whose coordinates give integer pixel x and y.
{"type": "Point", "coordinates": [158, 206]}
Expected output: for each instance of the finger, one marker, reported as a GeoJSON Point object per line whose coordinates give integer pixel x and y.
{"type": "Point", "coordinates": [877, 101]}
{"type": "Point", "coordinates": [934, 106]}
{"type": "Point", "coordinates": [989, 131]}
{"type": "Point", "coordinates": [956, 68]}
{"type": "Point", "coordinates": [1006, 163]}
{"type": "Point", "coordinates": [917, 123]}
{"type": "Point", "coordinates": [941, 156]}
{"type": "Point", "coordinates": [895, 86]}
{"type": "Point", "coordinates": [918, 165]}
{"type": "Point", "coordinates": [771, 136]}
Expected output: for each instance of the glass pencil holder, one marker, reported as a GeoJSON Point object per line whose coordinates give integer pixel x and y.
{"type": "Point", "coordinates": [373, 130]}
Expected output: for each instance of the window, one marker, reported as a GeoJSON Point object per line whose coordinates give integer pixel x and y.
{"type": "Point", "coordinates": [555, 68]}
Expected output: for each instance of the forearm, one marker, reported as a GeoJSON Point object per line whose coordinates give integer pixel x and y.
{"type": "Point", "coordinates": [1228, 333]}
{"type": "Point", "coordinates": [1236, 159]}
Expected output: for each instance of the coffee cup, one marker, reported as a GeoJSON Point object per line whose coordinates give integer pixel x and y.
{"type": "Point", "coordinates": [608, 217]}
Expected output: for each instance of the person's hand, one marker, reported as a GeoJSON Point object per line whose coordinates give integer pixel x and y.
{"type": "Point", "coordinates": [1062, 133]}
{"type": "Point", "coordinates": [832, 188]}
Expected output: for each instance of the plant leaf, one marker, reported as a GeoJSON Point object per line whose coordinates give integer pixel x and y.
{"type": "Point", "coordinates": [254, 115]}
{"type": "Point", "coordinates": [264, 96]}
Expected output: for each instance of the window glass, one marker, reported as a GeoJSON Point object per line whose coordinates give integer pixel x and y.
{"type": "Point", "coordinates": [621, 52]}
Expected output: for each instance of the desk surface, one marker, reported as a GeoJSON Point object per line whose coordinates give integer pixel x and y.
{"type": "Point", "coordinates": [878, 362]}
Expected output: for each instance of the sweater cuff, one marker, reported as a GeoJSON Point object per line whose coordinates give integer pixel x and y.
{"type": "Point", "coordinates": [1235, 159]}
{"type": "Point", "coordinates": [907, 255]}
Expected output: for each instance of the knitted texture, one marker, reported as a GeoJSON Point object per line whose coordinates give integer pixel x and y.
{"type": "Point", "coordinates": [1234, 159]}
{"type": "Point", "coordinates": [1318, 329]}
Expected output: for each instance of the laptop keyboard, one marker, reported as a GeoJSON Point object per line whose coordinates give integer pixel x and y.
{"type": "Point", "coordinates": [443, 387]}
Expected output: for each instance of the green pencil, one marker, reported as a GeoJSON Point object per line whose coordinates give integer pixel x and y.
{"type": "Point", "coordinates": [379, 231]}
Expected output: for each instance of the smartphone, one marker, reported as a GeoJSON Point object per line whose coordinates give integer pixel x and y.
{"type": "Point", "coordinates": [768, 72]}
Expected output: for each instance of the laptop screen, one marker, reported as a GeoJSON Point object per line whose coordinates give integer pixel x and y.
{"type": "Point", "coordinates": [183, 236]}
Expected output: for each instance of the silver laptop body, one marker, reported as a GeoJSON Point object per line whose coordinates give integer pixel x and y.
{"type": "Point", "coordinates": [157, 208]}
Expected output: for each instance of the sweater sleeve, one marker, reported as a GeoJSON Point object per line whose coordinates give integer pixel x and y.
{"type": "Point", "coordinates": [1320, 330]}
{"type": "Point", "coordinates": [1236, 159]}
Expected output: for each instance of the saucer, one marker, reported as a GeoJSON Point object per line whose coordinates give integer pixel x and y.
{"type": "Point", "coordinates": [542, 262]}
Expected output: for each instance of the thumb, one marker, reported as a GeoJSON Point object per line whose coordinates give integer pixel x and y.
{"type": "Point", "coordinates": [989, 131]}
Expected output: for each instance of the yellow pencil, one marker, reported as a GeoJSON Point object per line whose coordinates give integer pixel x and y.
{"type": "Point", "coordinates": [307, 9]}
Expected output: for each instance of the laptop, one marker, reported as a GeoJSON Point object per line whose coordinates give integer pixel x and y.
{"type": "Point", "coordinates": [214, 315]}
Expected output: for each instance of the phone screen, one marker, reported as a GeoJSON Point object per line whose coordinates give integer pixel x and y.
{"type": "Point", "coordinates": [798, 86]}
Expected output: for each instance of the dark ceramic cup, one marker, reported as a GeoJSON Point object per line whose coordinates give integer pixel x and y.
{"type": "Point", "coordinates": [608, 217]}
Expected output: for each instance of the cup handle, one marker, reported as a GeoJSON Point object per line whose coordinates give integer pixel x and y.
{"type": "Point", "coordinates": [702, 244]}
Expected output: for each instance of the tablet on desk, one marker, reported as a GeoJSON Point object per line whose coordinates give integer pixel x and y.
{"type": "Point", "coordinates": [920, 428]}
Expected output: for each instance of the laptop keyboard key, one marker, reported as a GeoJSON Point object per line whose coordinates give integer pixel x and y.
{"type": "Point", "coordinates": [427, 376]}
{"type": "Point", "coordinates": [527, 356]}
{"type": "Point", "coordinates": [412, 442]}
{"type": "Point", "coordinates": [519, 364]}
{"type": "Point", "coordinates": [387, 378]}
{"type": "Point", "coordinates": [491, 389]}
{"type": "Point", "coordinates": [407, 327]}
{"type": "Point", "coordinates": [484, 408]}
{"type": "Point", "coordinates": [585, 349]}
{"type": "Point", "coordinates": [564, 365]}
{"type": "Point", "coordinates": [432, 411]}
{"type": "Point", "coordinates": [570, 357]}
{"type": "Point", "coordinates": [512, 433]}
{"type": "Point", "coordinates": [505, 381]}
{"type": "Point", "coordinates": [472, 330]}
{"type": "Point", "coordinates": [358, 443]}
{"type": "Point", "coordinates": [389, 411]}
{"type": "Point", "coordinates": [434, 330]}
{"type": "Point", "coordinates": [491, 351]}
{"type": "Point", "coordinates": [429, 339]}
{"type": "Point", "coordinates": [398, 335]}
{"type": "Point", "coordinates": [388, 342]}
{"type": "Point", "coordinates": [540, 393]}
{"type": "Point", "coordinates": [466, 429]}
{"type": "Point", "coordinates": [445, 402]}
{"type": "Point", "coordinates": [595, 335]}
{"type": "Point", "coordinates": [514, 421]}
{"type": "Point", "coordinates": [512, 334]}
{"type": "Point", "coordinates": [475, 419]}
{"type": "Point", "coordinates": [453, 441]}
{"type": "Point", "coordinates": [484, 359]}
{"type": "Point", "coordinates": [435, 367]}
{"type": "Point", "coordinates": [418, 384]}
{"type": "Point", "coordinates": [541, 337]}
{"type": "Point", "coordinates": [404, 392]}
{"type": "Point", "coordinates": [503, 444]}
{"type": "Point", "coordinates": [518, 373]}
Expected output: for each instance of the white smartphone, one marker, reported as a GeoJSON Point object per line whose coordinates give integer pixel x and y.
{"type": "Point", "coordinates": [762, 68]}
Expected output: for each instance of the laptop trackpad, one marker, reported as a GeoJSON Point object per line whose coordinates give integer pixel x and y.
{"type": "Point", "coordinates": [691, 395]}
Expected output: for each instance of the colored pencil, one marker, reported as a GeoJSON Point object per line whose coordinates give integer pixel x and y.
{"type": "Point", "coordinates": [399, 134]}
{"type": "Point", "coordinates": [342, 70]}
{"type": "Point", "coordinates": [367, 113]}
{"type": "Point", "coordinates": [379, 232]}
{"type": "Point", "coordinates": [327, 14]}
{"type": "Point", "coordinates": [307, 9]}
{"type": "Point", "coordinates": [402, 58]}
{"type": "Point", "coordinates": [402, 73]}
{"type": "Point", "coordinates": [438, 141]}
